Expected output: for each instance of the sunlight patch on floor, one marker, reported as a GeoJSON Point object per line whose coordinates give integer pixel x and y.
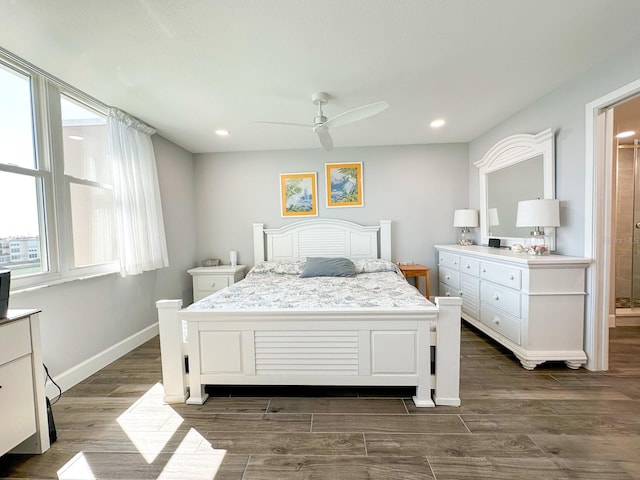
{"type": "Point", "coordinates": [76, 469]}
{"type": "Point", "coordinates": [203, 466]}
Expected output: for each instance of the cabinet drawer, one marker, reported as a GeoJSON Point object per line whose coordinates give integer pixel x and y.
{"type": "Point", "coordinates": [15, 340]}
{"type": "Point", "coordinates": [211, 283]}
{"type": "Point", "coordinates": [500, 297]}
{"type": "Point", "coordinates": [470, 287]}
{"type": "Point", "coordinates": [449, 260]}
{"type": "Point", "coordinates": [501, 322]}
{"type": "Point", "coordinates": [449, 277]}
{"type": "Point", "coordinates": [470, 266]}
{"type": "Point", "coordinates": [507, 276]}
{"type": "Point", "coordinates": [447, 291]}
{"type": "Point", "coordinates": [16, 403]}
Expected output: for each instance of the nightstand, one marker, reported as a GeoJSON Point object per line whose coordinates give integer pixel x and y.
{"type": "Point", "coordinates": [416, 271]}
{"type": "Point", "coordinates": [207, 280]}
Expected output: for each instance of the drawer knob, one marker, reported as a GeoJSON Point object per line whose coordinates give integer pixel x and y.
{"type": "Point", "coordinates": [448, 294]}
{"type": "Point", "coordinates": [460, 293]}
{"type": "Point", "coordinates": [496, 297]}
{"type": "Point", "coordinates": [213, 284]}
{"type": "Point", "coordinates": [467, 266]}
{"type": "Point", "coordinates": [484, 270]}
{"type": "Point", "coordinates": [448, 277]}
{"type": "Point", "coordinates": [511, 277]}
{"type": "Point", "coordinates": [496, 320]}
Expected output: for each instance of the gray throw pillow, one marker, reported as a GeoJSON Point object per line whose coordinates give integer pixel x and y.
{"type": "Point", "coordinates": [328, 267]}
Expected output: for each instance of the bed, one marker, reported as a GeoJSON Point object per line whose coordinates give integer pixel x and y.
{"type": "Point", "coordinates": [236, 337]}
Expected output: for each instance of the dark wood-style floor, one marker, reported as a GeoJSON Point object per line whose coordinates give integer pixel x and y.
{"type": "Point", "coordinates": [546, 424]}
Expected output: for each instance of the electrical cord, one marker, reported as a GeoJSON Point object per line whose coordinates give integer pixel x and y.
{"type": "Point", "coordinates": [48, 377]}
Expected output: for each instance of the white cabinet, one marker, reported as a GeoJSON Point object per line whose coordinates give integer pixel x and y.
{"type": "Point", "coordinates": [207, 280]}
{"type": "Point", "coordinates": [23, 414]}
{"type": "Point", "coordinates": [533, 305]}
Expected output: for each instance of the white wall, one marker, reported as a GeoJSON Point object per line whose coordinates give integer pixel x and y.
{"type": "Point", "coordinates": [563, 110]}
{"type": "Point", "coordinates": [417, 187]}
{"type": "Point", "coordinates": [83, 318]}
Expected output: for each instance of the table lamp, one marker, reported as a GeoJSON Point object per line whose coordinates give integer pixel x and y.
{"type": "Point", "coordinates": [465, 218]}
{"type": "Point", "coordinates": [538, 213]}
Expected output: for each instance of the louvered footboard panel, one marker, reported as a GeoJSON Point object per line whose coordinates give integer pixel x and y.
{"type": "Point", "coordinates": [324, 352]}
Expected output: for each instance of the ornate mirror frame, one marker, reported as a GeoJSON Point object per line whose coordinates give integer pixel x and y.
{"type": "Point", "coordinates": [512, 151]}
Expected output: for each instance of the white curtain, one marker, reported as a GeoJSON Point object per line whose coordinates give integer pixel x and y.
{"type": "Point", "coordinates": [139, 223]}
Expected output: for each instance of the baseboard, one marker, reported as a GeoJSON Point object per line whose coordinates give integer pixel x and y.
{"type": "Point", "coordinates": [75, 375]}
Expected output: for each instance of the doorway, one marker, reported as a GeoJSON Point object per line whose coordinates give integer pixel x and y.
{"type": "Point", "coordinates": [625, 282]}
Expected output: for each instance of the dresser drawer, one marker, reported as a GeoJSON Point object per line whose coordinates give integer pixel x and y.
{"type": "Point", "coordinates": [470, 266]}
{"type": "Point", "coordinates": [447, 291]}
{"type": "Point", "coordinates": [501, 322]}
{"type": "Point", "coordinates": [504, 275]}
{"type": "Point", "coordinates": [16, 403]}
{"type": "Point", "coordinates": [15, 340]}
{"type": "Point", "coordinates": [449, 260]}
{"type": "Point", "coordinates": [449, 277]}
{"type": "Point", "coordinates": [211, 283]}
{"type": "Point", "coordinates": [500, 297]}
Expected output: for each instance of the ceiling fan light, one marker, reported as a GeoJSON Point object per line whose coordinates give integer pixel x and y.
{"type": "Point", "coordinates": [628, 133]}
{"type": "Point", "coordinates": [221, 132]}
{"type": "Point", "coordinates": [437, 123]}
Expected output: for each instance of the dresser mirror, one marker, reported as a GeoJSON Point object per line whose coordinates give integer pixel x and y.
{"type": "Point", "coordinates": [519, 167]}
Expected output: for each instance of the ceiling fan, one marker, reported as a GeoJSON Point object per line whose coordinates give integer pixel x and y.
{"type": "Point", "coordinates": [322, 124]}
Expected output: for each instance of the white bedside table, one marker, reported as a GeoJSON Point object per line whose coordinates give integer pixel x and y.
{"type": "Point", "coordinates": [207, 280]}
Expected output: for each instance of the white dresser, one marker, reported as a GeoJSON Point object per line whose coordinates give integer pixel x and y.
{"type": "Point", "coordinates": [207, 280]}
{"type": "Point", "coordinates": [533, 305]}
{"type": "Point", "coordinates": [23, 410]}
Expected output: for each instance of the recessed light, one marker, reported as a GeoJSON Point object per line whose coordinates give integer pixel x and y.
{"type": "Point", "coordinates": [437, 123]}
{"type": "Point", "coordinates": [75, 137]}
{"type": "Point", "coordinates": [628, 133]}
{"type": "Point", "coordinates": [222, 132]}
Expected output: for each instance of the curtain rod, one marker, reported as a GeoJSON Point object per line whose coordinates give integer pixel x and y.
{"type": "Point", "coordinates": [22, 62]}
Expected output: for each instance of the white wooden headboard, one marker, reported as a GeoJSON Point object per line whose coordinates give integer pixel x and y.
{"type": "Point", "coordinates": [322, 238]}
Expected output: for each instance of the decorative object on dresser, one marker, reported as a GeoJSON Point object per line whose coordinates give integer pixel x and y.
{"type": "Point", "coordinates": [465, 218]}
{"type": "Point", "coordinates": [210, 262]}
{"type": "Point", "coordinates": [538, 213]}
{"type": "Point", "coordinates": [23, 415]}
{"type": "Point", "coordinates": [207, 280]}
{"type": "Point", "coordinates": [415, 271]}
{"type": "Point", "coordinates": [533, 305]}
{"type": "Point", "coordinates": [233, 258]}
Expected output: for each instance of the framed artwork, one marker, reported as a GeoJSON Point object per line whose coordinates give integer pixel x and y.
{"type": "Point", "coordinates": [298, 194]}
{"type": "Point", "coordinates": [344, 185]}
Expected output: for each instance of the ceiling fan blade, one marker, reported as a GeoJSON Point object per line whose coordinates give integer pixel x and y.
{"type": "Point", "coordinates": [285, 123]}
{"type": "Point", "coordinates": [325, 137]}
{"type": "Point", "coordinates": [356, 114]}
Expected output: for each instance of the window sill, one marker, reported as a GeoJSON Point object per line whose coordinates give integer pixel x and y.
{"type": "Point", "coordinates": [59, 281]}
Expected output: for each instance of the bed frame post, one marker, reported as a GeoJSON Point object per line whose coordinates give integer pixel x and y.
{"type": "Point", "coordinates": [258, 243]}
{"type": "Point", "coordinates": [174, 375]}
{"type": "Point", "coordinates": [385, 239]}
{"type": "Point", "coordinates": [447, 389]}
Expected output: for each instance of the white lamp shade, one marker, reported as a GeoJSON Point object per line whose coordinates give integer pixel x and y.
{"type": "Point", "coordinates": [466, 217]}
{"type": "Point", "coordinates": [538, 213]}
{"type": "Point", "coordinates": [493, 217]}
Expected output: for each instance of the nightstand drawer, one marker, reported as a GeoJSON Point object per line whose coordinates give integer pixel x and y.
{"type": "Point", "coordinates": [507, 276]}
{"type": "Point", "coordinates": [501, 322]}
{"type": "Point", "coordinates": [15, 340]}
{"type": "Point", "coordinates": [449, 277]}
{"type": "Point", "coordinates": [211, 283]}
{"type": "Point", "coordinates": [449, 260]}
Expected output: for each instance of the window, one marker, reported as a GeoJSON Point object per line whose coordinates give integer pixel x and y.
{"type": "Point", "coordinates": [56, 195]}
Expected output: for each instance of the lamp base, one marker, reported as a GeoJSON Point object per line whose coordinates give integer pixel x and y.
{"type": "Point", "coordinates": [537, 244]}
{"type": "Point", "coordinates": [465, 237]}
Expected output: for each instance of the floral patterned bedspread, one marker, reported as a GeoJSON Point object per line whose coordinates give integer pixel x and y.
{"type": "Point", "coordinates": [278, 286]}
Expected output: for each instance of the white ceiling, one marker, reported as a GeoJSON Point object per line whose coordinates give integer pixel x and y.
{"type": "Point", "coordinates": [190, 67]}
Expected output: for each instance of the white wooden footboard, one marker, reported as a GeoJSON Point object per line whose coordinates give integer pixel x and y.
{"type": "Point", "coordinates": [312, 348]}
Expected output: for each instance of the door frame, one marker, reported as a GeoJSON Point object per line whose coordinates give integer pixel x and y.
{"type": "Point", "coordinates": [598, 224]}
